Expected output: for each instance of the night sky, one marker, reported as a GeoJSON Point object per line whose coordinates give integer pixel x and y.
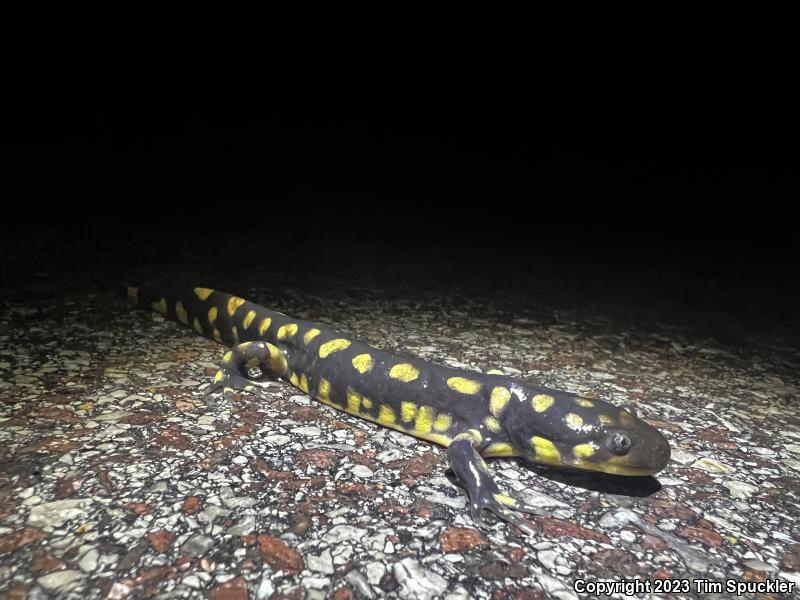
{"type": "Point", "coordinates": [698, 193]}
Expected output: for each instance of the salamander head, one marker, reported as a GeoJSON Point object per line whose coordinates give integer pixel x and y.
{"type": "Point", "coordinates": [630, 447]}
{"type": "Point", "coordinates": [589, 435]}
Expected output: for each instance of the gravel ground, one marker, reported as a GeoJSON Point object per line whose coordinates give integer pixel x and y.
{"type": "Point", "coordinates": [118, 481]}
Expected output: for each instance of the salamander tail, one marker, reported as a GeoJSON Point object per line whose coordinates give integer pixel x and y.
{"type": "Point", "coordinates": [129, 293]}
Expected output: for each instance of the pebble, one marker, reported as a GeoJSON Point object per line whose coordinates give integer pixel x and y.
{"type": "Point", "coordinates": [712, 466]}
{"type": "Point", "coordinates": [547, 558]}
{"type": "Point", "coordinates": [59, 579]}
{"type": "Point", "coordinates": [362, 471]}
{"type": "Point", "coordinates": [56, 514]}
{"type": "Point", "coordinates": [245, 525]}
{"type": "Point", "coordinates": [627, 536]}
{"type": "Point", "coordinates": [88, 562]}
{"type": "Point", "coordinates": [344, 533]}
{"type": "Point", "coordinates": [375, 570]}
{"type": "Point", "coordinates": [418, 582]}
{"type": "Point", "coordinates": [277, 439]}
{"type": "Point", "coordinates": [740, 489]}
{"type": "Point", "coordinates": [360, 583]}
{"type": "Point", "coordinates": [321, 564]}
{"type": "Point", "coordinates": [197, 545]}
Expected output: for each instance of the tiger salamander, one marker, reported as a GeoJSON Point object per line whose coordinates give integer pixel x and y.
{"type": "Point", "coordinates": [474, 415]}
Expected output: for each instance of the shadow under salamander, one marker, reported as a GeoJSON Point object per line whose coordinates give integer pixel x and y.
{"type": "Point", "coordinates": [623, 485]}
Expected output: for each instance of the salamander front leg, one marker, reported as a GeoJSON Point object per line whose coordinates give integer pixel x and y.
{"type": "Point", "coordinates": [472, 474]}
{"type": "Point", "coordinates": [235, 372]}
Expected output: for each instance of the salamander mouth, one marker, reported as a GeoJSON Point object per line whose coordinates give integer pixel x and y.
{"type": "Point", "coordinates": [617, 468]}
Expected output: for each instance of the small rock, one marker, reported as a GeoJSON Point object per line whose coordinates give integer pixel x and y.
{"type": "Point", "coordinates": [418, 582]}
{"type": "Point", "coordinates": [712, 466]}
{"type": "Point", "coordinates": [244, 526]}
{"type": "Point", "coordinates": [375, 571]}
{"type": "Point", "coordinates": [16, 540]}
{"type": "Point", "coordinates": [359, 582]}
{"type": "Point", "coordinates": [280, 555]}
{"type": "Point", "coordinates": [760, 565]}
{"type": "Point", "coordinates": [362, 471]}
{"type": "Point", "coordinates": [211, 512]}
{"type": "Point", "coordinates": [277, 439]}
{"type": "Point", "coordinates": [235, 589]}
{"type": "Point", "coordinates": [197, 545]}
{"type": "Point", "coordinates": [547, 558]}
{"type": "Point", "coordinates": [343, 533]}
{"type": "Point", "coordinates": [55, 514]}
{"type": "Point", "coordinates": [321, 564]}
{"type": "Point", "coordinates": [457, 539]}
{"type": "Point", "coordinates": [88, 562]}
{"type": "Point", "coordinates": [740, 489]}
{"type": "Point", "coordinates": [308, 431]}
{"type": "Point", "coordinates": [627, 536]}
{"type": "Point", "coordinates": [59, 579]}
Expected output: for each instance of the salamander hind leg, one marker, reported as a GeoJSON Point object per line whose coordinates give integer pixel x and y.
{"type": "Point", "coordinates": [237, 370]}
{"type": "Point", "coordinates": [471, 473]}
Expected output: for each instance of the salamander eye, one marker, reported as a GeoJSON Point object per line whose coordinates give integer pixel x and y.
{"type": "Point", "coordinates": [620, 443]}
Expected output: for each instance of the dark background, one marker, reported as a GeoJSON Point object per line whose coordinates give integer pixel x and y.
{"type": "Point", "coordinates": [674, 202]}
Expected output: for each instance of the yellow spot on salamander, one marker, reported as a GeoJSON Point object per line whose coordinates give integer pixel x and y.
{"type": "Point", "coordinates": [442, 422]}
{"type": "Point", "coordinates": [203, 293]}
{"type": "Point", "coordinates": [218, 376]}
{"type": "Point", "coordinates": [333, 346]}
{"type": "Point", "coordinates": [541, 402]}
{"type": "Point", "coordinates": [303, 383]}
{"type": "Point", "coordinates": [605, 420]}
{"type": "Point", "coordinates": [499, 399]}
{"type": "Point", "coordinates": [234, 302]}
{"type": "Point", "coordinates": [180, 312]}
{"type": "Point", "coordinates": [504, 498]}
{"type": "Point", "coordinates": [160, 307]}
{"type": "Point", "coordinates": [294, 380]}
{"type": "Point", "coordinates": [367, 403]}
{"type": "Point", "coordinates": [407, 411]}
{"type": "Point", "coordinates": [248, 319]}
{"type": "Point", "coordinates": [353, 401]}
{"type": "Point", "coordinates": [324, 392]}
{"type": "Point", "coordinates": [424, 421]}
{"type": "Point", "coordinates": [212, 314]}
{"type": "Point", "coordinates": [287, 330]}
{"type": "Point", "coordinates": [363, 363]}
{"type": "Point", "coordinates": [217, 336]}
{"type": "Point", "coordinates": [310, 335]}
{"type": "Point", "coordinates": [500, 449]}
{"type": "Point", "coordinates": [585, 402]}
{"type": "Point", "coordinates": [245, 345]}
{"type": "Point", "coordinates": [277, 361]}
{"type": "Point", "coordinates": [472, 435]}
{"type": "Point", "coordinates": [386, 415]}
{"type": "Point", "coordinates": [583, 451]}
{"type": "Point", "coordinates": [404, 372]}
{"type": "Point", "coordinates": [546, 451]}
{"type": "Point", "coordinates": [228, 357]}
{"type": "Point", "coordinates": [197, 327]}
{"type": "Point", "coordinates": [492, 424]}
{"type": "Point", "coordinates": [264, 325]}
{"type": "Point", "coordinates": [574, 421]}
{"type": "Point", "coordinates": [464, 385]}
